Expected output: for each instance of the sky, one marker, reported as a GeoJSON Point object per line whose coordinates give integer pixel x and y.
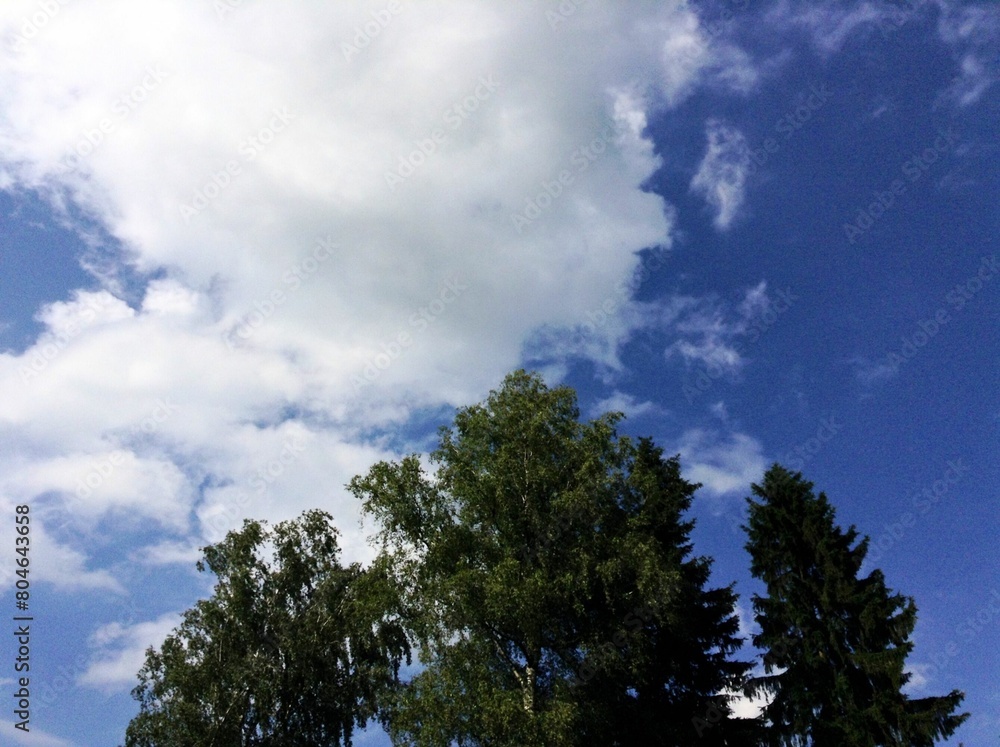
{"type": "Point", "coordinates": [248, 249]}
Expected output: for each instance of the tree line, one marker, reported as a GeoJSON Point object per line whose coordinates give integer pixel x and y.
{"type": "Point", "coordinates": [537, 585]}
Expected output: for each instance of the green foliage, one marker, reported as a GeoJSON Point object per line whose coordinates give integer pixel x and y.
{"type": "Point", "coordinates": [839, 641]}
{"type": "Point", "coordinates": [291, 649]}
{"type": "Point", "coordinates": [543, 568]}
{"type": "Point", "coordinates": [545, 577]}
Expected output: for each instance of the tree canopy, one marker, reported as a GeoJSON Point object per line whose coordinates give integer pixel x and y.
{"type": "Point", "coordinates": [542, 568]}
{"type": "Point", "coordinates": [291, 649]}
{"type": "Point", "coordinates": [549, 583]}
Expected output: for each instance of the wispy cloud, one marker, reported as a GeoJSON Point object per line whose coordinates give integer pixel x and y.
{"type": "Point", "coordinates": [625, 403]}
{"type": "Point", "coordinates": [722, 175]}
{"type": "Point", "coordinates": [709, 332]}
{"type": "Point", "coordinates": [870, 372]}
{"type": "Point", "coordinates": [120, 651]}
{"type": "Point", "coordinates": [830, 23]}
{"type": "Point", "coordinates": [973, 33]}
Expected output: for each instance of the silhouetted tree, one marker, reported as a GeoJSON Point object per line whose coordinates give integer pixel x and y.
{"type": "Point", "coordinates": [835, 644]}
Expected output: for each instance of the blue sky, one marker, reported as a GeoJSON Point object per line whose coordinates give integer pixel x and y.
{"type": "Point", "coordinates": [248, 249]}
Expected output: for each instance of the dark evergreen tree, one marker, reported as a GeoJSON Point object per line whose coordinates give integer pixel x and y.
{"type": "Point", "coordinates": [547, 574]}
{"type": "Point", "coordinates": [681, 666]}
{"type": "Point", "coordinates": [835, 644]}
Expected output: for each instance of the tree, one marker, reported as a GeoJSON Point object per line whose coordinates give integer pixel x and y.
{"type": "Point", "coordinates": [839, 641]}
{"type": "Point", "coordinates": [291, 649]}
{"type": "Point", "coordinates": [544, 573]}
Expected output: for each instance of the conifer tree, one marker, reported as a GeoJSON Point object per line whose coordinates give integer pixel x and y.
{"type": "Point", "coordinates": [835, 644]}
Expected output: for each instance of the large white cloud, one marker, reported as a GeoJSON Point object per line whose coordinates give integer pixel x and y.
{"type": "Point", "coordinates": [352, 212]}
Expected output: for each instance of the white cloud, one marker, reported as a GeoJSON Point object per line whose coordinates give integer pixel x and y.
{"type": "Point", "coordinates": [755, 301]}
{"type": "Point", "coordinates": [734, 69]}
{"type": "Point", "coordinates": [34, 738]}
{"type": "Point", "coordinates": [719, 410]}
{"type": "Point", "coordinates": [343, 220]}
{"type": "Point", "coordinates": [121, 651]}
{"type": "Point", "coordinates": [724, 465]}
{"type": "Point", "coordinates": [695, 53]}
{"type": "Point", "coordinates": [873, 371]}
{"type": "Point", "coordinates": [744, 707]}
{"type": "Point", "coordinates": [625, 403]}
{"type": "Point", "coordinates": [169, 553]}
{"type": "Point", "coordinates": [748, 623]}
{"type": "Point", "coordinates": [920, 678]}
{"type": "Point", "coordinates": [711, 351]}
{"type": "Point", "coordinates": [722, 175]}
{"type": "Point", "coordinates": [973, 33]}
{"type": "Point", "coordinates": [972, 30]}
{"type": "Point", "coordinates": [830, 24]}
{"type": "Point", "coordinates": [65, 567]}
{"type": "Point", "coordinates": [97, 483]}
{"type": "Point", "coordinates": [709, 332]}
{"type": "Point", "coordinates": [975, 78]}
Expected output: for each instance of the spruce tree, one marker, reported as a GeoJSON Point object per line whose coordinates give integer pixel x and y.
{"type": "Point", "coordinates": [835, 644]}
{"type": "Point", "coordinates": [681, 665]}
